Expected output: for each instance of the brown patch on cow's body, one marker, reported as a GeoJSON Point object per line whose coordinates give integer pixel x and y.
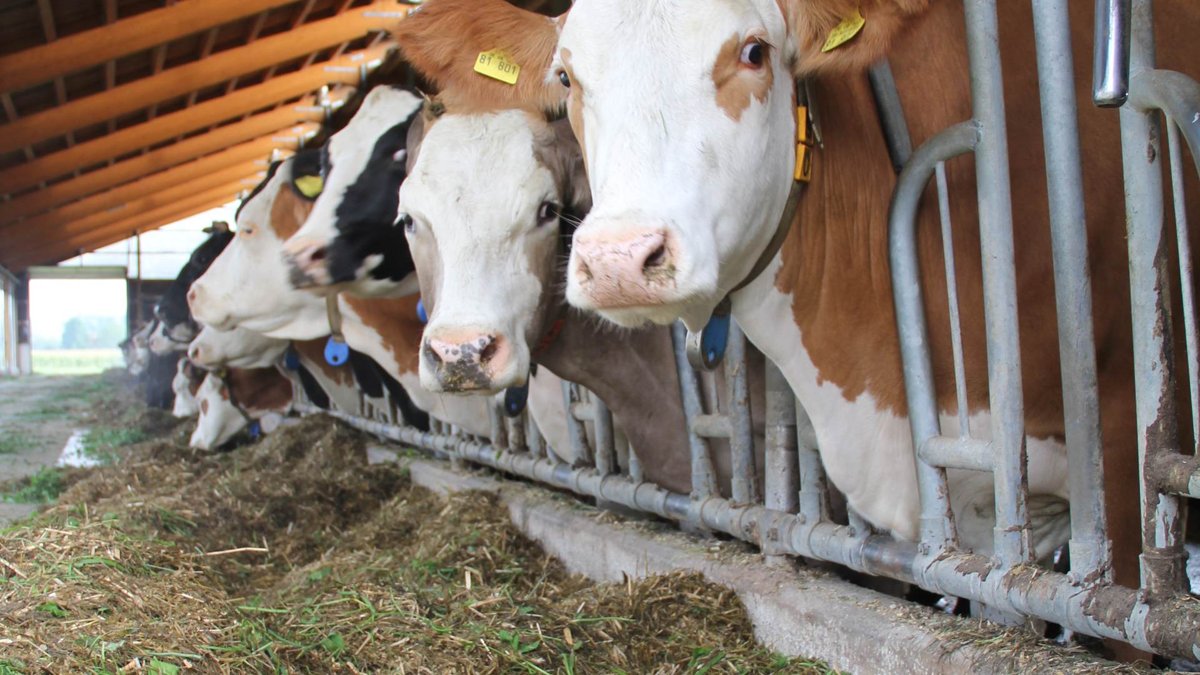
{"type": "Point", "coordinates": [737, 84]}
{"type": "Point", "coordinates": [444, 39]}
{"type": "Point", "coordinates": [397, 324]}
{"type": "Point", "coordinates": [259, 390]}
{"type": "Point", "coordinates": [836, 264]}
{"type": "Point", "coordinates": [574, 102]}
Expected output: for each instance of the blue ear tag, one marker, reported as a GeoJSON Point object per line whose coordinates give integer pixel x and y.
{"type": "Point", "coordinates": [515, 399]}
{"type": "Point", "coordinates": [255, 431]}
{"type": "Point", "coordinates": [337, 352]}
{"type": "Point", "coordinates": [291, 360]}
{"type": "Point", "coordinates": [421, 311]}
{"type": "Point", "coordinates": [714, 339]}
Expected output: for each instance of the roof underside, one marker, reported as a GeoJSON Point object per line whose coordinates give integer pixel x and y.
{"type": "Point", "coordinates": [121, 116]}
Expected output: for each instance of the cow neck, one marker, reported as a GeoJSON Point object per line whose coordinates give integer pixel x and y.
{"type": "Point", "coordinates": [397, 331]}
{"type": "Point", "coordinates": [633, 372]}
{"type": "Point", "coordinates": [222, 375]}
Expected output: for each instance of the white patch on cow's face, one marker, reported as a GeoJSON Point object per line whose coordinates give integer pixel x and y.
{"type": "Point", "coordinates": [349, 151]}
{"type": "Point", "coordinates": [482, 252]}
{"type": "Point", "coordinates": [219, 419]}
{"type": "Point", "coordinates": [671, 154]}
{"type": "Point", "coordinates": [237, 348]}
{"type": "Point", "coordinates": [247, 285]}
{"type": "Point", "coordinates": [185, 404]}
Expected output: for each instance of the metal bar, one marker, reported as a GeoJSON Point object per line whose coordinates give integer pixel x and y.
{"type": "Point", "coordinates": [937, 527]}
{"type": "Point", "coordinates": [704, 483]}
{"type": "Point", "coordinates": [1089, 546]}
{"type": "Point", "coordinates": [781, 475]}
{"type": "Point", "coordinates": [575, 431]}
{"type": "Point", "coordinates": [891, 114]}
{"type": "Point", "coordinates": [1012, 533]}
{"type": "Point", "coordinates": [1186, 274]}
{"type": "Point", "coordinates": [1162, 556]}
{"type": "Point", "coordinates": [1110, 64]}
{"type": "Point", "coordinates": [813, 499]}
{"type": "Point", "coordinates": [712, 426]}
{"type": "Point", "coordinates": [741, 431]}
{"type": "Point", "coordinates": [957, 453]}
{"type": "Point", "coordinates": [533, 437]}
{"type": "Point", "coordinates": [606, 461]}
{"type": "Point", "coordinates": [960, 370]}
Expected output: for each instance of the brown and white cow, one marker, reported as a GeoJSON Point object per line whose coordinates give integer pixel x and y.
{"type": "Point", "coordinates": [685, 113]}
{"type": "Point", "coordinates": [238, 398]}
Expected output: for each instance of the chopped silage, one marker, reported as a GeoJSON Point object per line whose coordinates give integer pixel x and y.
{"type": "Point", "coordinates": [295, 554]}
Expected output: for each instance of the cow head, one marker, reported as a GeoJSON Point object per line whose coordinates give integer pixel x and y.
{"type": "Point", "coordinates": [187, 381]}
{"type": "Point", "coordinates": [237, 348]}
{"type": "Point", "coordinates": [489, 262]}
{"type": "Point", "coordinates": [247, 286]}
{"type": "Point", "coordinates": [172, 310]}
{"type": "Point", "coordinates": [349, 241]}
{"type": "Point", "coordinates": [685, 114]}
{"type": "Point", "coordinates": [260, 394]}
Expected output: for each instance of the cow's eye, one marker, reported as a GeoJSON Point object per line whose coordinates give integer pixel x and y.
{"type": "Point", "coordinates": [564, 78]}
{"type": "Point", "coordinates": [406, 221]}
{"type": "Point", "coordinates": [246, 231]}
{"type": "Point", "coordinates": [547, 213]}
{"type": "Point", "coordinates": [753, 54]}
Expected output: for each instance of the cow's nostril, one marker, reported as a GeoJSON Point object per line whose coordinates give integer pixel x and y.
{"type": "Point", "coordinates": [489, 350]}
{"type": "Point", "coordinates": [318, 254]}
{"type": "Point", "coordinates": [432, 354]}
{"type": "Point", "coordinates": [656, 258]}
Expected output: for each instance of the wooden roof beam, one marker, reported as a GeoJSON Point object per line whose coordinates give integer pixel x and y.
{"type": "Point", "coordinates": [218, 68]}
{"type": "Point", "coordinates": [259, 149]}
{"type": "Point", "coordinates": [201, 116]}
{"type": "Point", "coordinates": [50, 253]}
{"type": "Point", "coordinates": [93, 47]}
{"type": "Point", "coordinates": [277, 128]}
{"type": "Point", "coordinates": [20, 236]}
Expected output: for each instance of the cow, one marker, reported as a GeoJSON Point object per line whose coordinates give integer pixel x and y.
{"type": "Point", "coordinates": [491, 277]}
{"type": "Point", "coordinates": [238, 398]}
{"type": "Point", "coordinates": [172, 311]}
{"type": "Point", "coordinates": [248, 286]}
{"type": "Point", "coordinates": [686, 116]}
{"type": "Point", "coordinates": [188, 379]}
{"type": "Point", "coordinates": [136, 348]}
{"type": "Point", "coordinates": [362, 166]}
{"type": "Point", "coordinates": [237, 348]}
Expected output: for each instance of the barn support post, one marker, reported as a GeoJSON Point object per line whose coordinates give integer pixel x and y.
{"type": "Point", "coordinates": [8, 322]}
{"type": "Point", "coordinates": [24, 329]}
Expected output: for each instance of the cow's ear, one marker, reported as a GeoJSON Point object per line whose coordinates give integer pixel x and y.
{"type": "Point", "coordinates": [417, 130]}
{"type": "Point", "coordinates": [843, 36]}
{"type": "Point", "coordinates": [563, 156]}
{"type": "Point", "coordinates": [218, 227]}
{"type": "Point", "coordinates": [445, 40]}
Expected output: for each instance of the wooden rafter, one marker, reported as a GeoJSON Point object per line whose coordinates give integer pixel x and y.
{"type": "Point", "coordinates": [187, 120]}
{"type": "Point", "coordinates": [179, 81]}
{"type": "Point", "coordinates": [147, 185]}
{"type": "Point", "coordinates": [57, 250]}
{"type": "Point", "coordinates": [93, 47]}
{"type": "Point", "coordinates": [277, 127]}
{"type": "Point", "coordinates": [25, 237]}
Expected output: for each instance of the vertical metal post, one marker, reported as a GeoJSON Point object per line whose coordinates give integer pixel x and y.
{"type": "Point", "coordinates": [704, 484]}
{"type": "Point", "coordinates": [1153, 366]}
{"type": "Point", "coordinates": [575, 430]}
{"type": "Point", "coordinates": [741, 438]}
{"type": "Point", "coordinates": [1089, 547]}
{"type": "Point", "coordinates": [606, 463]}
{"type": "Point", "coordinates": [999, 285]}
{"type": "Point", "coordinates": [813, 500]}
{"type": "Point", "coordinates": [137, 286]}
{"type": "Point", "coordinates": [533, 437]}
{"type": "Point", "coordinates": [781, 473]}
{"type": "Point", "coordinates": [499, 433]}
{"type": "Point", "coordinates": [1185, 276]}
{"type": "Point", "coordinates": [1110, 68]}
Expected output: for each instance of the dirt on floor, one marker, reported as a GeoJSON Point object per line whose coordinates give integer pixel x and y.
{"type": "Point", "coordinates": [294, 554]}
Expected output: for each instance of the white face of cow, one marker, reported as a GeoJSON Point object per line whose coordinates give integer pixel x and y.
{"type": "Point", "coordinates": [237, 348]}
{"type": "Point", "coordinates": [247, 285]}
{"type": "Point", "coordinates": [685, 111]}
{"type": "Point", "coordinates": [349, 241]}
{"type": "Point", "coordinates": [481, 211]}
{"type": "Point", "coordinates": [219, 419]}
{"type": "Point", "coordinates": [185, 403]}
{"type": "Point", "coordinates": [163, 341]}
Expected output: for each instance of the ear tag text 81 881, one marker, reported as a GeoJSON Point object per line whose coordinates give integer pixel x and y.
{"type": "Point", "coordinates": [496, 65]}
{"type": "Point", "coordinates": [337, 353]}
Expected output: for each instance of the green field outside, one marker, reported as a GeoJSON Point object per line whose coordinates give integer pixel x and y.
{"type": "Point", "coordinates": [75, 361]}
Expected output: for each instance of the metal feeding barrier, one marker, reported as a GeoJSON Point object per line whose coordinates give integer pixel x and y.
{"type": "Point", "coordinates": [789, 514]}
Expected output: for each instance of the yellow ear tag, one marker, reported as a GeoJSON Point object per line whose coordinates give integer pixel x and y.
{"type": "Point", "coordinates": [309, 186]}
{"type": "Point", "coordinates": [844, 31]}
{"type": "Point", "coordinates": [496, 65]}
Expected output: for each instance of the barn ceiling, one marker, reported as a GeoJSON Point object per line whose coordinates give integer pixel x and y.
{"type": "Point", "coordinates": [121, 116]}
